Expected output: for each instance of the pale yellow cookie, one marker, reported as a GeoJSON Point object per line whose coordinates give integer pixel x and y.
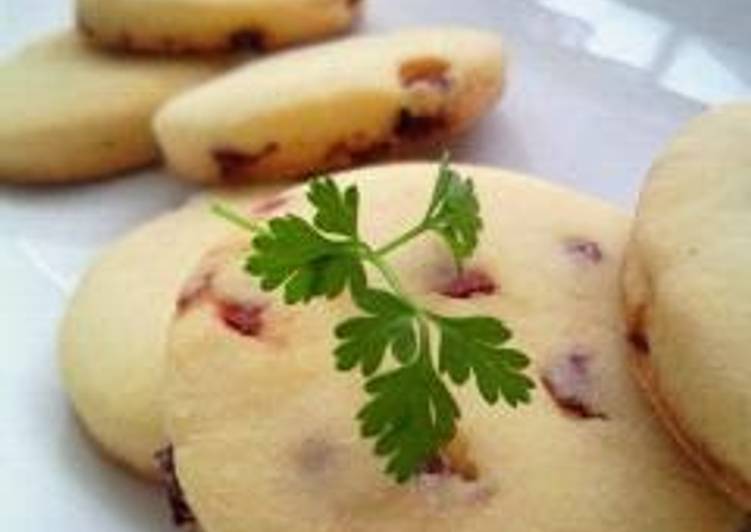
{"type": "Point", "coordinates": [333, 105]}
{"type": "Point", "coordinates": [263, 427]}
{"type": "Point", "coordinates": [71, 113]}
{"type": "Point", "coordinates": [687, 287]}
{"type": "Point", "coordinates": [112, 339]}
{"type": "Point", "coordinates": [179, 26]}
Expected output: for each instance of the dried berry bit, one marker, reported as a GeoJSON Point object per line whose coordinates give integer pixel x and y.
{"type": "Point", "coordinates": [315, 455]}
{"type": "Point", "coordinates": [173, 45]}
{"type": "Point", "coordinates": [640, 342]}
{"type": "Point", "coordinates": [181, 512]}
{"type": "Point", "coordinates": [234, 163]}
{"type": "Point", "coordinates": [245, 319]}
{"type": "Point", "coordinates": [636, 335]}
{"type": "Point", "coordinates": [469, 284]}
{"type": "Point", "coordinates": [569, 383]}
{"type": "Point", "coordinates": [413, 127]}
{"type": "Point", "coordinates": [452, 460]}
{"type": "Point", "coordinates": [431, 71]}
{"type": "Point", "coordinates": [250, 39]}
{"type": "Point", "coordinates": [435, 466]}
{"type": "Point", "coordinates": [584, 249]}
{"type": "Point", "coordinates": [357, 150]}
{"type": "Point", "coordinates": [126, 42]}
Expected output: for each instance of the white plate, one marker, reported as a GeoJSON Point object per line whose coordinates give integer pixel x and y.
{"type": "Point", "coordinates": [596, 88]}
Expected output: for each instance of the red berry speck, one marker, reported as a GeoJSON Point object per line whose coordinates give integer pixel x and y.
{"type": "Point", "coordinates": [245, 319]}
{"type": "Point", "coordinates": [469, 284]}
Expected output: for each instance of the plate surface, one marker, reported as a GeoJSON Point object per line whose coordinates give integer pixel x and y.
{"type": "Point", "coordinates": [596, 86]}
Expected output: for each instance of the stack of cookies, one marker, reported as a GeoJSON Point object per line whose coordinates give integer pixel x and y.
{"type": "Point", "coordinates": [87, 104]}
{"type": "Point", "coordinates": [189, 360]}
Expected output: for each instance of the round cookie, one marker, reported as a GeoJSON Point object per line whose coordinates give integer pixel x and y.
{"type": "Point", "coordinates": [687, 286]}
{"type": "Point", "coordinates": [263, 428]}
{"type": "Point", "coordinates": [71, 113]}
{"type": "Point", "coordinates": [180, 26]}
{"type": "Point", "coordinates": [359, 100]}
{"type": "Point", "coordinates": [112, 339]}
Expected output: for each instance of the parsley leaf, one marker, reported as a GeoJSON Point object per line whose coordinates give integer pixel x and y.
{"type": "Point", "coordinates": [454, 212]}
{"type": "Point", "coordinates": [411, 415]}
{"type": "Point", "coordinates": [390, 323]}
{"type": "Point", "coordinates": [291, 252]}
{"type": "Point", "coordinates": [409, 412]}
{"type": "Point", "coordinates": [336, 211]}
{"type": "Point", "coordinates": [472, 346]}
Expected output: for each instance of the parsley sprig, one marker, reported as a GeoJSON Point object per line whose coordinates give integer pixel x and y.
{"type": "Point", "coordinates": [410, 411]}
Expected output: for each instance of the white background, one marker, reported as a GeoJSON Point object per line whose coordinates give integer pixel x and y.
{"type": "Point", "coordinates": [596, 87]}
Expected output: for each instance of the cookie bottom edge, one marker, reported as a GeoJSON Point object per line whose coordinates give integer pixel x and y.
{"type": "Point", "coordinates": [723, 476]}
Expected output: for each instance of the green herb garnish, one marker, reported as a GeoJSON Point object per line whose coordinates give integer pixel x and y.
{"type": "Point", "coordinates": [410, 412]}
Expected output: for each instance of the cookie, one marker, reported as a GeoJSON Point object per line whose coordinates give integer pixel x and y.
{"type": "Point", "coordinates": [687, 286]}
{"type": "Point", "coordinates": [112, 338]}
{"type": "Point", "coordinates": [333, 106]}
{"type": "Point", "coordinates": [180, 26]}
{"type": "Point", "coordinates": [263, 428]}
{"type": "Point", "coordinates": [71, 113]}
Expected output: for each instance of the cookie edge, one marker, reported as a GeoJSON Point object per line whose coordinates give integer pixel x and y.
{"type": "Point", "coordinates": [635, 302]}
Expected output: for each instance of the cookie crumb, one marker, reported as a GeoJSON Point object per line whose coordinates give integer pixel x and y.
{"type": "Point", "coordinates": [569, 383]}
{"type": "Point", "coordinates": [181, 511]}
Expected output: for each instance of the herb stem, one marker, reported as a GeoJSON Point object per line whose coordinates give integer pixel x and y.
{"type": "Point", "coordinates": [388, 274]}
{"type": "Point", "coordinates": [424, 334]}
{"type": "Point", "coordinates": [392, 279]}
{"type": "Point", "coordinates": [401, 240]}
{"type": "Point", "coordinates": [234, 217]}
